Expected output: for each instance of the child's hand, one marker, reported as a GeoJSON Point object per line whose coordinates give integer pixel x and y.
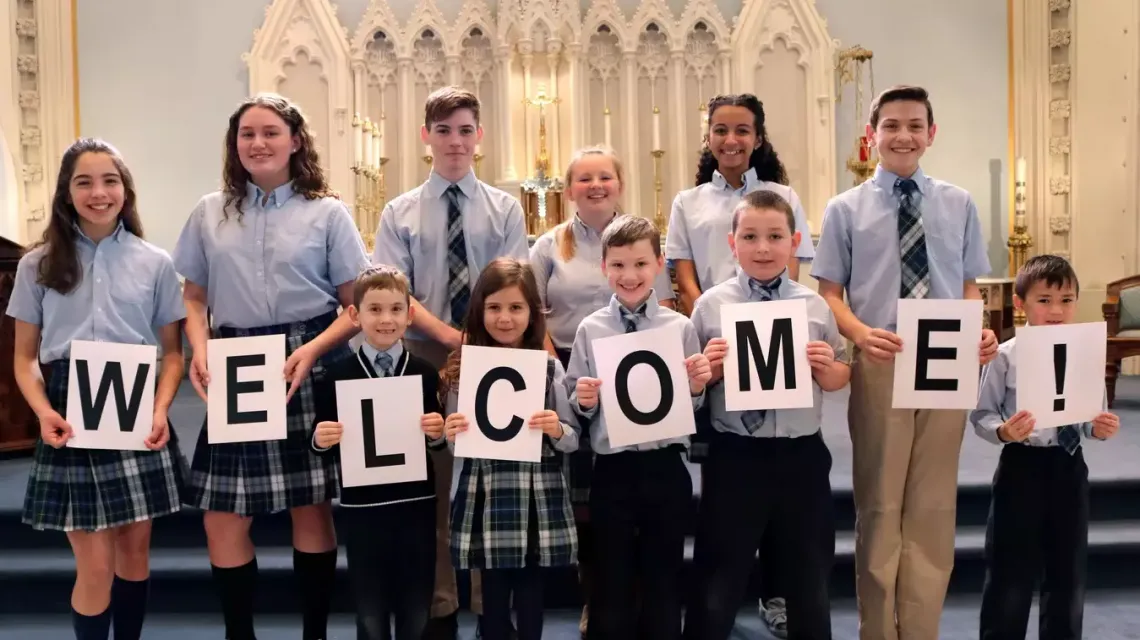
{"type": "Point", "coordinates": [432, 425]}
{"type": "Point", "coordinates": [715, 351]}
{"type": "Point", "coordinates": [456, 423]}
{"type": "Point", "coordinates": [1105, 425]}
{"type": "Point", "coordinates": [880, 344]}
{"type": "Point", "coordinates": [549, 423]}
{"type": "Point", "coordinates": [159, 432]}
{"type": "Point", "coordinates": [988, 347]}
{"type": "Point", "coordinates": [1017, 428]}
{"type": "Point", "coordinates": [587, 391]}
{"type": "Point", "coordinates": [329, 433]}
{"type": "Point", "coordinates": [54, 430]}
{"type": "Point", "coordinates": [700, 372]}
{"type": "Point", "coordinates": [820, 355]}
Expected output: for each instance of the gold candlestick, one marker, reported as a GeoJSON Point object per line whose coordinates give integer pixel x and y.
{"type": "Point", "coordinates": [658, 215]}
{"type": "Point", "coordinates": [1020, 241]}
{"type": "Point", "coordinates": [478, 158]}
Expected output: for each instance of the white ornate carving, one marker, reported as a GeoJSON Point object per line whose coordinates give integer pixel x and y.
{"type": "Point", "coordinates": [604, 53]}
{"type": "Point", "coordinates": [707, 12]}
{"type": "Point", "coordinates": [1059, 145]}
{"type": "Point", "coordinates": [32, 172]}
{"type": "Point", "coordinates": [1060, 73]}
{"type": "Point", "coordinates": [1059, 5]}
{"type": "Point", "coordinates": [1060, 109]}
{"type": "Point", "coordinates": [1061, 253]}
{"type": "Point", "coordinates": [27, 63]}
{"type": "Point", "coordinates": [1060, 225]}
{"type": "Point", "coordinates": [37, 214]}
{"type": "Point", "coordinates": [701, 50]}
{"type": "Point", "coordinates": [656, 13]}
{"type": "Point", "coordinates": [378, 17]}
{"type": "Point", "coordinates": [1060, 38]}
{"type": "Point", "coordinates": [26, 27]}
{"type": "Point", "coordinates": [30, 136]}
{"type": "Point", "coordinates": [477, 55]}
{"type": "Point", "coordinates": [1060, 185]}
{"type": "Point", "coordinates": [427, 17]}
{"type": "Point", "coordinates": [428, 57]}
{"type": "Point", "coordinates": [653, 51]}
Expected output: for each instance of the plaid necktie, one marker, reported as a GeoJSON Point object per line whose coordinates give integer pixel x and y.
{"type": "Point", "coordinates": [629, 318]}
{"type": "Point", "coordinates": [383, 364]}
{"type": "Point", "coordinates": [1069, 437]}
{"type": "Point", "coordinates": [754, 419]}
{"type": "Point", "coordinates": [912, 242]}
{"type": "Point", "coordinates": [459, 280]}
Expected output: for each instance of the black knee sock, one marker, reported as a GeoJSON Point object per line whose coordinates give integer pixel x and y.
{"type": "Point", "coordinates": [96, 627]}
{"type": "Point", "coordinates": [316, 575]}
{"type": "Point", "coordinates": [128, 606]}
{"type": "Point", "coordinates": [236, 587]}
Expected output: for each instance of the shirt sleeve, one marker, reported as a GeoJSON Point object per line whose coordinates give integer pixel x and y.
{"type": "Point", "coordinates": [190, 258]}
{"type": "Point", "coordinates": [832, 260]}
{"type": "Point", "coordinates": [693, 346]}
{"type": "Point", "coordinates": [347, 256]}
{"type": "Point", "coordinates": [663, 285]}
{"type": "Point", "coordinates": [677, 245]}
{"type": "Point", "coordinates": [431, 404]}
{"type": "Point", "coordinates": [391, 249]}
{"type": "Point", "coordinates": [168, 305]}
{"type": "Point", "coordinates": [806, 250]}
{"type": "Point", "coordinates": [515, 245]}
{"type": "Point", "coordinates": [987, 418]}
{"type": "Point", "coordinates": [542, 264]}
{"type": "Point", "coordinates": [975, 261]}
{"type": "Point", "coordinates": [579, 368]}
{"type": "Point", "coordinates": [27, 300]}
{"type": "Point", "coordinates": [699, 321]}
{"type": "Point", "coordinates": [833, 338]}
{"type": "Point", "coordinates": [568, 443]}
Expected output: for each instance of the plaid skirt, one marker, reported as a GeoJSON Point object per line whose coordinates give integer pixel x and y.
{"type": "Point", "coordinates": [254, 478]}
{"type": "Point", "coordinates": [95, 489]}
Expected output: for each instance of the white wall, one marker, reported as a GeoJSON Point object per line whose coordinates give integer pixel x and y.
{"type": "Point", "coordinates": [158, 80]}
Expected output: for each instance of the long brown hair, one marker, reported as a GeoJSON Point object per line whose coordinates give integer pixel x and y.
{"type": "Point", "coordinates": [500, 274]}
{"type": "Point", "coordinates": [59, 268]}
{"type": "Point", "coordinates": [764, 160]}
{"type": "Point", "coordinates": [564, 232]}
{"type": "Point", "coordinates": [304, 164]}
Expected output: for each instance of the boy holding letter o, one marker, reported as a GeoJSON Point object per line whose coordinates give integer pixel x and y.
{"type": "Point", "coordinates": [641, 494]}
{"type": "Point", "coordinates": [752, 451]}
{"type": "Point", "coordinates": [1039, 514]}
{"type": "Point", "coordinates": [900, 234]}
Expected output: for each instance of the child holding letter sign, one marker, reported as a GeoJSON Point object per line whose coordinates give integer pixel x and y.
{"type": "Point", "coordinates": [275, 252]}
{"type": "Point", "coordinates": [93, 277]}
{"type": "Point", "coordinates": [511, 519]}
{"type": "Point", "coordinates": [1039, 514]}
{"type": "Point", "coordinates": [752, 451]}
{"type": "Point", "coordinates": [389, 529]}
{"type": "Point", "coordinates": [901, 234]}
{"type": "Point", "coordinates": [641, 495]}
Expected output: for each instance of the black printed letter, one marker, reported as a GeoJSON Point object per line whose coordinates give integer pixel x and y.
{"type": "Point", "coordinates": [371, 458]}
{"type": "Point", "coordinates": [622, 387]}
{"type": "Point", "coordinates": [482, 396]}
{"type": "Point", "coordinates": [925, 353]}
{"type": "Point", "coordinates": [779, 348]}
{"type": "Point", "coordinates": [233, 388]}
{"type": "Point", "coordinates": [127, 408]}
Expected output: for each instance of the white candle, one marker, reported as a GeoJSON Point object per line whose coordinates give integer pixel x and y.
{"type": "Point", "coordinates": [478, 149]}
{"type": "Point", "coordinates": [427, 151]}
{"type": "Point", "coordinates": [367, 142]}
{"type": "Point", "coordinates": [609, 132]}
{"type": "Point", "coordinates": [656, 129]}
{"type": "Point", "coordinates": [1020, 175]}
{"type": "Point", "coordinates": [380, 144]}
{"type": "Point", "coordinates": [375, 150]}
{"type": "Point", "coordinates": [357, 138]}
{"type": "Point", "coordinates": [704, 122]}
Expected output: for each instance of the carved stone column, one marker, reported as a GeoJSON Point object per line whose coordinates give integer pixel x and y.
{"type": "Point", "coordinates": [553, 51]}
{"type": "Point", "coordinates": [506, 102]}
{"type": "Point", "coordinates": [633, 151]}
{"type": "Point", "coordinates": [526, 57]}
{"type": "Point", "coordinates": [453, 69]}
{"type": "Point", "coordinates": [680, 162]}
{"type": "Point", "coordinates": [359, 89]}
{"type": "Point", "coordinates": [725, 57]}
{"type": "Point", "coordinates": [576, 84]}
{"type": "Point", "coordinates": [410, 161]}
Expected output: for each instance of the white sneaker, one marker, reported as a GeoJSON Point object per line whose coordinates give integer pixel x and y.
{"type": "Point", "coordinates": [774, 613]}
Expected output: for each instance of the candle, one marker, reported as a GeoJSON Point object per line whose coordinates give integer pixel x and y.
{"type": "Point", "coordinates": [1020, 171]}
{"type": "Point", "coordinates": [380, 144]}
{"type": "Point", "coordinates": [427, 151]}
{"type": "Point", "coordinates": [704, 122]}
{"type": "Point", "coordinates": [609, 131]}
{"type": "Point", "coordinates": [367, 142]}
{"type": "Point", "coordinates": [375, 150]}
{"type": "Point", "coordinates": [478, 149]}
{"type": "Point", "coordinates": [357, 138]}
{"type": "Point", "coordinates": [656, 129]}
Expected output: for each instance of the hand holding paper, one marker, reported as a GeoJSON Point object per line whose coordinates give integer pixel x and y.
{"type": "Point", "coordinates": [880, 344]}
{"type": "Point", "coordinates": [697, 366]}
{"type": "Point", "coordinates": [1105, 425]}
{"type": "Point", "coordinates": [328, 434]}
{"type": "Point", "coordinates": [716, 351]}
{"type": "Point", "coordinates": [432, 424]}
{"type": "Point", "coordinates": [587, 392]}
{"type": "Point", "coordinates": [455, 425]}
{"type": "Point", "coordinates": [988, 347]}
{"type": "Point", "coordinates": [1017, 428]}
{"type": "Point", "coordinates": [548, 422]}
{"type": "Point", "coordinates": [820, 355]}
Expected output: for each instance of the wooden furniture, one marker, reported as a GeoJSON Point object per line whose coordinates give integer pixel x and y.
{"type": "Point", "coordinates": [1122, 315]}
{"type": "Point", "coordinates": [18, 427]}
{"type": "Point", "coordinates": [997, 306]}
{"type": "Point", "coordinates": [554, 211]}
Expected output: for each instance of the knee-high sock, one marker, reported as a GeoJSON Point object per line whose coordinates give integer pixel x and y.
{"type": "Point", "coordinates": [128, 607]}
{"type": "Point", "coordinates": [96, 627]}
{"type": "Point", "coordinates": [316, 575]}
{"type": "Point", "coordinates": [236, 588]}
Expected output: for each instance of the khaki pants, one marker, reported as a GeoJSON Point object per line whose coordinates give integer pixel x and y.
{"type": "Point", "coordinates": [906, 482]}
{"type": "Point", "coordinates": [445, 598]}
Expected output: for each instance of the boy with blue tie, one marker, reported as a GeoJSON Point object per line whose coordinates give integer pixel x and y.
{"type": "Point", "coordinates": [1039, 511]}
{"type": "Point", "coordinates": [441, 235]}
{"type": "Point", "coordinates": [901, 234]}
{"type": "Point", "coordinates": [750, 452]}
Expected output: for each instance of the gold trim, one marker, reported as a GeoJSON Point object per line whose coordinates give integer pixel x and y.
{"type": "Point", "coordinates": [1011, 163]}
{"type": "Point", "coordinates": [75, 63]}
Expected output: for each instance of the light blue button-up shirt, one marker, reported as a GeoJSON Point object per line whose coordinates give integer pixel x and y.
{"type": "Point", "coordinates": [702, 219]}
{"type": "Point", "coordinates": [778, 423]}
{"type": "Point", "coordinates": [127, 291]}
{"type": "Point", "coordinates": [281, 262]}
{"type": "Point", "coordinates": [413, 236]}
{"type": "Point", "coordinates": [573, 289]}
{"type": "Point", "coordinates": [859, 244]}
{"type": "Point", "coordinates": [997, 401]}
{"type": "Point", "coordinates": [606, 322]}
{"type": "Point", "coordinates": [395, 352]}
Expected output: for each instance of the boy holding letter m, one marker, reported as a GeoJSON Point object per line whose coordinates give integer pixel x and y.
{"type": "Point", "coordinates": [752, 451]}
{"type": "Point", "coordinates": [1039, 514]}
{"type": "Point", "coordinates": [901, 234]}
{"type": "Point", "coordinates": [389, 529]}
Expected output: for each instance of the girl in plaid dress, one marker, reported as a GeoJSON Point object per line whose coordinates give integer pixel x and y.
{"type": "Point", "coordinates": [92, 277]}
{"type": "Point", "coordinates": [274, 252]}
{"type": "Point", "coordinates": [511, 519]}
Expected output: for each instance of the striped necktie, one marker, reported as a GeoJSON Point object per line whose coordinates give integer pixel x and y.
{"type": "Point", "coordinates": [629, 318]}
{"type": "Point", "coordinates": [1069, 437]}
{"type": "Point", "coordinates": [754, 419]}
{"type": "Point", "coordinates": [915, 281]}
{"type": "Point", "coordinates": [383, 364]}
{"type": "Point", "coordinates": [459, 279]}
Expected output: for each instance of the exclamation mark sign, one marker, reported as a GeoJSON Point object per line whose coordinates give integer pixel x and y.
{"type": "Point", "coordinates": [1060, 355]}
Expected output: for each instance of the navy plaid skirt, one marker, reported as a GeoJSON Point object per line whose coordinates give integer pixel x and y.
{"type": "Point", "coordinates": [94, 489]}
{"type": "Point", "coordinates": [253, 478]}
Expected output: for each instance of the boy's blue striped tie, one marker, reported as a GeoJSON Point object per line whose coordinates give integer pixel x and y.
{"type": "Point", "coordinates": [912, 242]}
{"type": "Point", "coordinates": [459, 279]}
{"type": "Point", "coordinates": [754, 419]}
{"type": "Point", "coordinates": [383, 364]}
{"type": "Point", "coordinates": [1069, 437]}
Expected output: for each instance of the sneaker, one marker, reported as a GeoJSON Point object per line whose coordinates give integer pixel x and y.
{"type": "Point", "coordinates": [584, 621]}
{"type": "Point", "coordinates": [774, 613]}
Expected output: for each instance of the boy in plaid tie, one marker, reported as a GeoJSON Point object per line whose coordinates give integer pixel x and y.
{"type": "Point", "coordinates": [901, 234]}
{"type": "Point", "coordinates": [750, 452]}
{"type": "Point", "coordinates": [1039, 514]}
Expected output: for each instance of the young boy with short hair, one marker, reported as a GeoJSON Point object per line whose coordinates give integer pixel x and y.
{"type": "Point", "coordinates": [751, 452]}
{"type": "Point", "coordinates": [641, 494]}
{"type": "Point", "coordinates": [901, 234]}
{"type": "Point", "coordinates": [389, 530]}
{"type": "Point", "coordinates": [1039, 512]}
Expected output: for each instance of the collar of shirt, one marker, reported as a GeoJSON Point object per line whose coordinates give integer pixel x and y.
{"type": "Point", "coordinates": [437, 185]}
{"type": "Point", "coordinates": [885, 180]}
{"type": "Point", "coordinates": [116, 235]}
{"type": "Point", "coordinates": [651, 305]}
{"type": "Point", "coordinates": [277, 198]}
{"type": "Point", "coordinates": [583, 230]}
{"type": "Point", "coordinates": [743, 279]}
{"type": "Point", "coordinates": [395, 351]}
{"type": "Point", "coordinates": [746, 181]}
